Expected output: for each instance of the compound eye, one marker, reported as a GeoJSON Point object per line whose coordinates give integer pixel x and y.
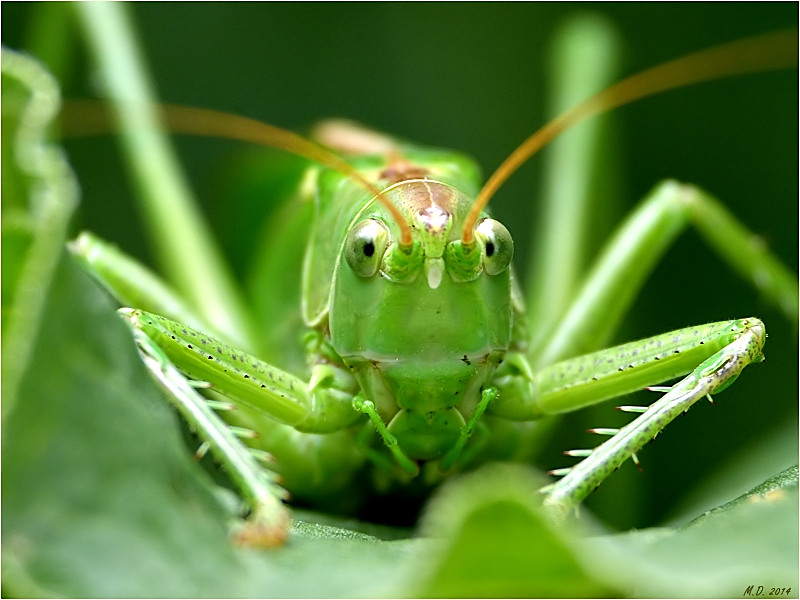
{"type": "Point", "coordinates": [365, 245]}
{"type": "Point", "coordinates": [498, 247]}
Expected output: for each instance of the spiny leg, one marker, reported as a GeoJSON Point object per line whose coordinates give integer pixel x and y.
{"type": "Point", "coordinates": [319, 407]}
{"type": "Point", "coordinates": [721, 350]}
{"type": "Point", "coordinates": [130, 281]}
{"type": "Point", "coordinates": [567, 320]}
{"type": "Point", "coordinates": [259, 389]}
{"type": "Point", "coordinates": [630, 257]}
{"type": "Point", "coordinates": [268, 519]}
{"type": "Point", "coordinates": [712, 376]}
{"type": "Point", "coordinates": [304, 461]}
{"type": "Point", "coordinates": [324, 402]}
{"type": "Point", "coordinates": [276, 404]}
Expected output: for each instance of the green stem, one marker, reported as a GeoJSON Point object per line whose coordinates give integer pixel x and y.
{"type": "Point", "coordinates": [586, 56]}
{"type": "Point", "coordinates": [185, 247]}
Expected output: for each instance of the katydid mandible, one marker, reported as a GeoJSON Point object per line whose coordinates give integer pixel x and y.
{"type": "Point", "coordinates": [419, 362]}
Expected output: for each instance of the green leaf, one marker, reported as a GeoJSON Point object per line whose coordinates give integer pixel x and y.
{"type": "Point", "coordinates": [499, 542]}
{"type": "Point", "coordinates": [752, 540]}
{"type": "Point", "coordinates": [772, 490]}
{"type": "Point", "coordinates": [39, 194]}
{"type": "Point", "coordinates": [742, 471]}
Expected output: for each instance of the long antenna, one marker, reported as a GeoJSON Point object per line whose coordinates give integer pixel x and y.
{"type": "Point", "coordinates": [760, 53]}
{"type": "Point", "coordinates": [87, 117]}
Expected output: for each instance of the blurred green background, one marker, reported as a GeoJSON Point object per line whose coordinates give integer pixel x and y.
{"type": "Point", "coordinates": [472, 77]}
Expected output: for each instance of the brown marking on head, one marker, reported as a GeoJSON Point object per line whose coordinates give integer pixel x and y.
{"type": "Point", "coordinates": [399, 169]}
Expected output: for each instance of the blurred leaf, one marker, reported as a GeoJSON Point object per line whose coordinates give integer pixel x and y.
{"type": "Point", "coordinates": [39, 194]}
{"type": "Point", "coordinates": [496, 542]}
{"type": "Point", "coordinates": [499, 542]}
{"type": "Point", "coordinates": [97, 491]}
{"type": "Point", "coordinates": [772, 490]}
{"type": "Point", "coordinates": [744, 470]}
{"type": "Point", "coordinates": [752, 541]}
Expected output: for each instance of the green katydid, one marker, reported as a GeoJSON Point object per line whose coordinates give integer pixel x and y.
{"type": "Point", "coordinates": [391, 387]}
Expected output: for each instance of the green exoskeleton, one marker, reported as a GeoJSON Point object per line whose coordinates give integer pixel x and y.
{"type": "Point", "coordinates": [419, 362]}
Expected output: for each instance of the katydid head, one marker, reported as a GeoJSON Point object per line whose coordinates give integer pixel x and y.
{"type": "Point", "coordinates": [422, 327]}
{"type": "Point", "coordinates": [434, 211]}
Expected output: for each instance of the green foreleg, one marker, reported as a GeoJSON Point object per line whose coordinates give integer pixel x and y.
{"type": "Point", "coordinates": [590, 379]}
{"type": "Point", "coordinates": [712, 375]}
{"type": "Point", "coordinates": [268, 519]}
{"type": "Point", "coordinates": [721, 350]}
{"type": "Point", "coordinates": [249, 381]}
{"type": "Point", "coordinates": [311, 464]}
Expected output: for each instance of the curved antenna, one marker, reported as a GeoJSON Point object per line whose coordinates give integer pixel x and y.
{"type": "Point", "coordinates": [760, 53]}
{"type": "Point", "coordinates": [84, 118]}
